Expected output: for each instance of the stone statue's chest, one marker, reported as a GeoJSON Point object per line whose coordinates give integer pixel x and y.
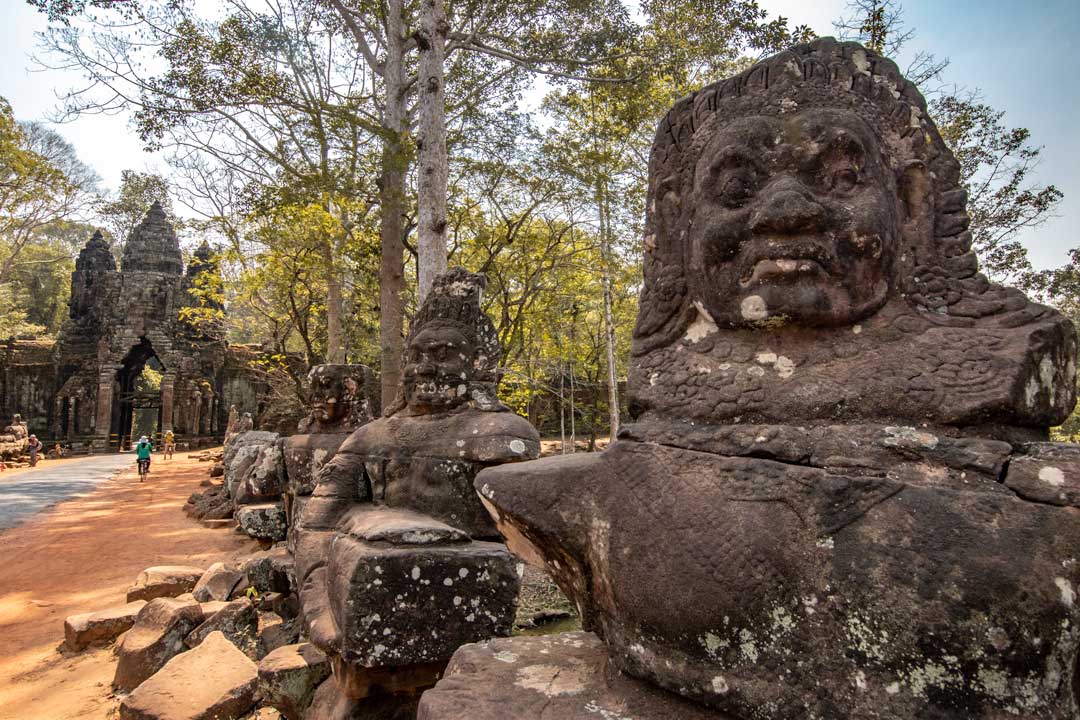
{"type": "Point", "coordinates": [435, 485]}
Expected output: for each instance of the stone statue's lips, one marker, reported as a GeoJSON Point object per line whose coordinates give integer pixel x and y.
{"type": "Point", "coordinates": [785, 260]}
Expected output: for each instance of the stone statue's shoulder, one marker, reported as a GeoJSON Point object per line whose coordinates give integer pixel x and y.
{"type": "Point", "coordinates": [374, 436]}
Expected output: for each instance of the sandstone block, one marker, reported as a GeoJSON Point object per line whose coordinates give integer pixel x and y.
{"type": "Point", "coordinates": [221, 581]}
{"type": "Point", "coordinates": [262, 522]}
{"type": "Point", "coordinates": [214, 681]}
{"type": "Point", "coordinates": [275, 632]}
{"type": "Point", "coordinates": [289, 675]}
{"type": "Point", "coordinates": [164, 581]}
{"type": "Point", "coordinates": [157, 635]}
{"type": "Point", "coordinates": [418, 589]}
{"type": "Point", "coordinates": [238, 621]}
{"type": "Point", "coordinates": [101, 627]}
{"type": "Point", "coordinates": [561, 676]}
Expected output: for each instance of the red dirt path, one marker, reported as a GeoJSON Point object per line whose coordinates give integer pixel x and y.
{"type": "Point", "coordinates": [81, 556]}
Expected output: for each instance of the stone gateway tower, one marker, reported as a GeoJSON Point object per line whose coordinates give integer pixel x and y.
{"type": "Point", "coordinates": [123, 322]}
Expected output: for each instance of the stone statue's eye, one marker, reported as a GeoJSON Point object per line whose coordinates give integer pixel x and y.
{"type": "Point", "coordinates": [844, 180]}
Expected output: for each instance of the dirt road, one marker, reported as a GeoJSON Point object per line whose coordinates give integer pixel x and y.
{"type": "Point", "coordinates": [81, 556]}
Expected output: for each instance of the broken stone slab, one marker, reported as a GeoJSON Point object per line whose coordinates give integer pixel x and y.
{"type": "Point", "coordinates": [289, 676]}
{"type": "Point", "coordinates": [563, 676]}
{"type": "Point", "coordinates": [275, 632]}
{"type": "Point", "coordinates": [157, 635]}
{"type": "Point", "coordinates": [238, 621]}
{"type": "Point", "coordinates": [330, 703]}
{"type": "Point", "coordinates": [263, 522]}
{"type": "Point", "coordinates": [1046, 472]}
{"type": "Point", "coordinates": [101, 627]}
{"type": "Point", "coordinates": [221, 581]}
{"type": "Point", "coordinates": [164, 581]}
{"type": "Point", "coordinates": [212, 608]}
{"type": "Point", "coordinates": [214, 681]}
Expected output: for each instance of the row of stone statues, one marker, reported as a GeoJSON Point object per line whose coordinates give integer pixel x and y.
{"type": "Point", "coordinates": [835, 498]}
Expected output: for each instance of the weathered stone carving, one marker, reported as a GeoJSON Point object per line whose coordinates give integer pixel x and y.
{"type": "Point", "coordinates": [392, 574]}
{"type": "Point", "coordinates": [342, 398]}
{"type": "Point", "coordinates": [826, 505]}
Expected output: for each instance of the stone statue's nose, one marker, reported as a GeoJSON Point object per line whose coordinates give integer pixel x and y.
{"type": "Point", "coordinates": [787, 211]}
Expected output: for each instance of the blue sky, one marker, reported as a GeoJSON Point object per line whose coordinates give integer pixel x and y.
{"type": "Point", "coordinates": [1018, 54]}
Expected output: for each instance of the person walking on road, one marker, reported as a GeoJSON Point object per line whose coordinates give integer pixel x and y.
{"type": "Point", "coordinates": [34, 447]}
{"type": "Point", "coordinates": [170, 444]}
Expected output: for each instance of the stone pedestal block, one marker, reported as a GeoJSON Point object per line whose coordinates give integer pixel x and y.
{"type": "Point", "coordinates": [407, 589]}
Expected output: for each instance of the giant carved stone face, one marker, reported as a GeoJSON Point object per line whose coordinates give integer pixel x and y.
{"type": "Point", "coordinates": [437, 370]}
{"type": "Point", "coordinates": [795, 218]}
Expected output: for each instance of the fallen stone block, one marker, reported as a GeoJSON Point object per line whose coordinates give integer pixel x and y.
{"type": "Point", "coordinates": [265, 521]}
{"type": "Point", "coordinates": [157, 635]}
{"type": "Point", "coordinates": [101, 627]}
{"type": "Point", "coordinates": [275, 632]}
{"type": "Point", "coordinates": [164, 581]}
{"type": "Point", "coordinates": [209, 609]}
{"type": "Point", "coordinates": [289, 675]}
{"type": "Point", "coordinates": [221, 581]}
{"type": "Point", "coordinates": [552, 676]}
{"type": "Point", "coordinates": [238, 621]}
{"type": "Point", "coordinates": [214, 681]}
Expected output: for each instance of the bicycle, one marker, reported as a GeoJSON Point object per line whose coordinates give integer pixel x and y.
{"type": "Point", "coordinates": [144, 469]}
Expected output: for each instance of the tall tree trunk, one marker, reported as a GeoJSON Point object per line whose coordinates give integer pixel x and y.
{"type": "Point", "coordinates": [609, 323]}
{"type": "Point", "coordinates": [335, 344]}
{"type": "Point", "coordinates": [433, 170]}
{"type": "Point", "coordinates": [392, 199]}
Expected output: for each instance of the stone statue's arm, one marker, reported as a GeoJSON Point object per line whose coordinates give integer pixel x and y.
{"type": "Point", "coordinates": [340, 484]}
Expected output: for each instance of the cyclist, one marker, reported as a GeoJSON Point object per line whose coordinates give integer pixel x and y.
{"type": "Point", "coordinates": [170, 444]}
{"type": "Point", "coordinates": [142, 456]}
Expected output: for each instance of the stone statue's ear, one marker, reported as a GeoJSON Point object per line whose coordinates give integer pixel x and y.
{"type": "Point", "coordinates": [916, 192]}
{"type": "Point", "coordinates": [916, 189]}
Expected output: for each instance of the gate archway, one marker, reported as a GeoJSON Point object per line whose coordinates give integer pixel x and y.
{"type": "Point", "coordinates": [138, 402]}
